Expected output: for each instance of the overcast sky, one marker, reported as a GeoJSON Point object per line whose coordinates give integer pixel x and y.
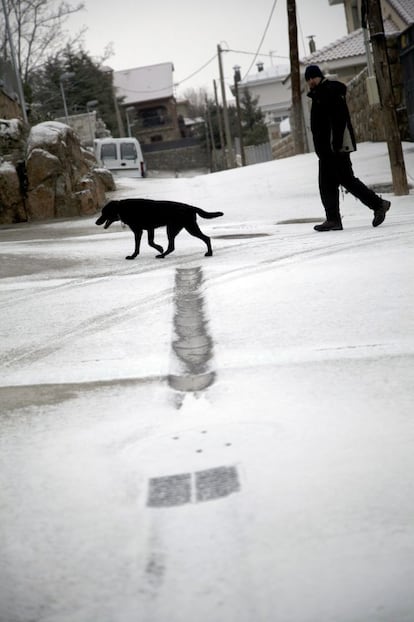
{"type": "Point", "coordinates": [186, 32]}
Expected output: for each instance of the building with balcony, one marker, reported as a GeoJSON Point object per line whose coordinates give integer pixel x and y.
{"type": "Point", "coordinates": [147, 103]}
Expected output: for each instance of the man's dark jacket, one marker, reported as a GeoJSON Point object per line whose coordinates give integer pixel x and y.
{"type": "Point", "coordinates": [330, 122]}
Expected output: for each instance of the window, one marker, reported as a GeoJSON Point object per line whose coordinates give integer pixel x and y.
{"type": "Point", "coordinates": [356, 16]}
{"type": "Point", "coordinates": [108, 151]}
{"type": "Point", "coordinates": [151, 117]}
{"type": "Point", "coordinates": [128, 151]}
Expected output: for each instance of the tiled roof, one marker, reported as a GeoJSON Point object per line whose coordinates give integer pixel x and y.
{"type": "Point", "coordinates": [350, 45]}
{"type": "Point", "coordinates": [346, 47]}
{"type": "Point", "coordinates": [405, 9]}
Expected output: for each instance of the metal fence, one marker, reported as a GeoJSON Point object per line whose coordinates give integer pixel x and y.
{"type": "Point", "coordinates": [254, 153]}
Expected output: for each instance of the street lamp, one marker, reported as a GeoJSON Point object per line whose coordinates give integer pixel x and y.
{"type": "Point", "coordinates": [89, 105]}
{"type": "Point", "coordinates": [110, 76]}
{"type": "Point", "coordinates": [237, 78]}
{"type": "Point", "coordinates": [65, 76]}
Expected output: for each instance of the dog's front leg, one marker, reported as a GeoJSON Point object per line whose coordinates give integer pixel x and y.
{"type": "Point", "coordinates": [152, 243]}
{"type": "Point", "coordinates": [138, 235]}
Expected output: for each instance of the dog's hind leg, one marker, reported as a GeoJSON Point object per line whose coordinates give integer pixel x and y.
{"type": "Point", "coordinates": [172, 231]}
{"type": "Point", "coordinates": [195, 230]}
{"type": "Point", "coordinates": [138, 235]}
{"type": "Point", "coordinates": [152, 243]}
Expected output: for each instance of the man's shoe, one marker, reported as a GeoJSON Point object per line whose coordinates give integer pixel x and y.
{"type": "Point", "coordinates": [379, 214]}
{"type": "Point", "coordinates": [329, 225]}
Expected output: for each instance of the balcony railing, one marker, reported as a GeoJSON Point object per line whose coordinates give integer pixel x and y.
{"type": "Point", "coordinates": [150, 123]}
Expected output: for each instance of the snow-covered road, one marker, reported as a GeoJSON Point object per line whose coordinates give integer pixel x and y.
{"type": "Point", "coordinates": [215, 439]}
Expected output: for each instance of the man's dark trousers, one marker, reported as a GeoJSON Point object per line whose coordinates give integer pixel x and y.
{"type": "Point", "coordinates": [336, 170]}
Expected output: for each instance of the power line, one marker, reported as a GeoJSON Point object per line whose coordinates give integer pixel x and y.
{"type": "Point", "coordinates": [194, 73]}
{"type": "Point", "coordinates": [197, 71]}
{"type": "Point", "coordinates": [256, 53]}
{"type": "Point", "coordinates": [262, 39]}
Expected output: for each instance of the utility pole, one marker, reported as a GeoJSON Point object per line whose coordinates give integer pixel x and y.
{"type": "Point", "coordinates": [209, 132]}
{"type": "Point", "coordinates": [220, 125]}
{"type": "Point", "coordinates": [383, 74]}
{"type": "Point", "coordinates": [230, 153]}
{"type": "Point", "coordinates": [297, 117]}
{"type": "Point", "coordinates": [237, 78]}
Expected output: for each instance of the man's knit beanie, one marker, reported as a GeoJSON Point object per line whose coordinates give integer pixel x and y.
{"type": "Point", "coordinates": [313, 71]}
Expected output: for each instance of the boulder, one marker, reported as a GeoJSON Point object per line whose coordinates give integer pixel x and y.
{"type": "Point", "coordinates": [12, 207]}
{"type": "Point", "coordinates": [57, 165]}
{"type": "Point", "coordinates": [48, 176]}
{"type": "Point", "coordinates": [12, 148]}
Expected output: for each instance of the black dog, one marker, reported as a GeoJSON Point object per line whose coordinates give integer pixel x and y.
{"type": "Point", "coordinates": [141, 214]}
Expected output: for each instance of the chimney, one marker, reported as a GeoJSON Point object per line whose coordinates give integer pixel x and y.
{"type": "Point", "coordinates": [312, 44]}
{"type": "Point", "coordinates": [259, 67]}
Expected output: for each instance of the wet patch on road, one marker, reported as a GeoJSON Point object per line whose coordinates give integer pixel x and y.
{"type": "Point", "coordinates": [206, 485]}
{"type": "Point", "coordinates": [239, 236]}
{"type": "Point", "coordinates": [193, 345]}
{"type": "Point", "coordinates": [24, 264]}
{"type": "Point", "coordinates": [295, 221]}
{"type": "Point", "coordinates": [38, 396]}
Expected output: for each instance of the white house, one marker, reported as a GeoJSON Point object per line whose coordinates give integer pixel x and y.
{"type": "Point", "coordinates": [269, 86]}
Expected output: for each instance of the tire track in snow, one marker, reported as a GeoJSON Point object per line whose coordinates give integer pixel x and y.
{"type": "Point", "coordinates": [102, 321]}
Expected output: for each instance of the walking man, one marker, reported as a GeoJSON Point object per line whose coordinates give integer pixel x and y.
{"type": "Point", "coordinates": [334, 140]}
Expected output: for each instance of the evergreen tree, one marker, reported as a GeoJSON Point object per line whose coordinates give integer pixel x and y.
{"type": "Point", "coordinates": [253, 124]}
{"type": "Point", "coordinates": [89, 80]}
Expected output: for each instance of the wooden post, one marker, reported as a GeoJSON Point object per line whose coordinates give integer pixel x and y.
{"type": "Point", "coordinates": [383, 74]}
{"type": "Point", "coordinates": [220, 125]}
{"type": "Point", "coordinates": [237, 79]}
{"type": "Point", "coordinates": [209, 132]}
{"type": "Point", "coordinates": [297, 117]}
{"type": "Point", "coordinates": [230, 153]}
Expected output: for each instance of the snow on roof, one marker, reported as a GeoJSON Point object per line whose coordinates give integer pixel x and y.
{"type": "Point", "coordinates": [270, 73]}
{"type": "Point", "coordinates": [346, 47]}
{"type": "Point", "coordinates": [145, 83]}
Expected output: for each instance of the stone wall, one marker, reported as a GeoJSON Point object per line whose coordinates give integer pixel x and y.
{"type": "Point", "coordinates": [283, 148]}
{"type": "Point", "coordinates": [177, 158]}
{"type": "Point", "coordinates": [367, 119]}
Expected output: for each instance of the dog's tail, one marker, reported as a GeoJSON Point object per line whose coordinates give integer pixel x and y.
{"type": "Point", "coordinates": [205, 214]}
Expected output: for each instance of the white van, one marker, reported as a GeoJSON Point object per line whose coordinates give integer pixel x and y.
{"type": "Point", "coordinates": [122, 156]}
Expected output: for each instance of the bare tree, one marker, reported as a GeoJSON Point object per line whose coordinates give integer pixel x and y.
{"type": "Point", "coordinates": [196, 101]}
{"type": "Point", "coordinates": [37, 30]}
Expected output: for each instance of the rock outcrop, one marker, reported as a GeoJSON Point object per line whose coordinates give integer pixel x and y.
{"type": "Point", "coordinates": [53, 177]}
